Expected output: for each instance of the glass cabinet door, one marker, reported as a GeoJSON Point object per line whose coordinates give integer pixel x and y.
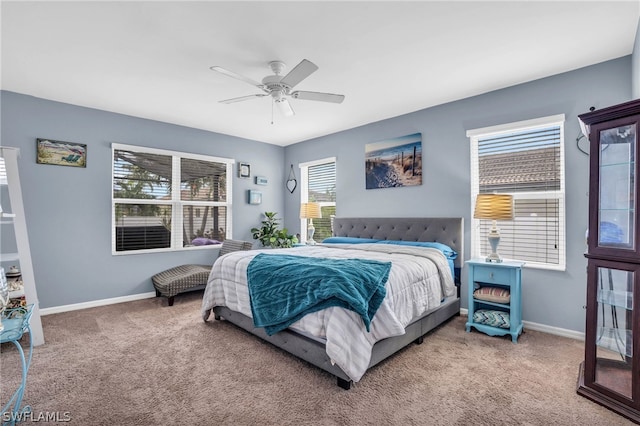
{"type": "Point", "coordinates": [612, 355]}
{"type": "Point", "coordinates": [617, 193]}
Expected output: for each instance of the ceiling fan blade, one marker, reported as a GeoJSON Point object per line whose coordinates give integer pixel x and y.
{"type": "Point", "coordinates": [285, 107]}
{"type": "Point", "coordinates": [237, 76]}
{"type": "Point", "coordinates": [242, 98]}
{"type": "Point", "coordinates": [301, 71]}
{"type": "Point", "coordinates": [318, 96]}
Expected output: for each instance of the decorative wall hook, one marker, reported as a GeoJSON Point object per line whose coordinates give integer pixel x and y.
{"type": "Point", "coordinates": [292, 183]}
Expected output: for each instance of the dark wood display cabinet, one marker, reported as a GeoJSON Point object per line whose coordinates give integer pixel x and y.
{"type": "Point", "coordinates": [610, 373]}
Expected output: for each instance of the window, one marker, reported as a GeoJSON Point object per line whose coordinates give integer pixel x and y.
{"type": "Point", "coordinates": [525, 159]}
{"type": "Point", "coordinates": [165, 200]}
{"type": "Point", "coordinates": [319, 185]}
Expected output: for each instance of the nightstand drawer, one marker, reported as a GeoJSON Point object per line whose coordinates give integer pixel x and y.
{"type": "Point", "coordinates": [492, 275]}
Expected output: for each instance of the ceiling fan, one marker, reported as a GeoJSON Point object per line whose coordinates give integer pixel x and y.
{"type": "Point", "coordinates": [279, 87]}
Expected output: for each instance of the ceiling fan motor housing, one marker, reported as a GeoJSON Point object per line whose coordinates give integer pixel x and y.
{"type": "Point", "coordinates": [273, 86]}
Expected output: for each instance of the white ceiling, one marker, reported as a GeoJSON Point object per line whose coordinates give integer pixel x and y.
{"type": "Point", "coordinates": [152, 60]}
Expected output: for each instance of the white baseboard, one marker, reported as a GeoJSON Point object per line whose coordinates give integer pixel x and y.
{"type": "Point", "coordinates": [94, 303]}
{"type": "Point", "coordinates": [544, 328]}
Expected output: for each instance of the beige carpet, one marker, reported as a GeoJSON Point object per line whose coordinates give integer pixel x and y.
{"type": "Point", "coordinates": [143, 363]}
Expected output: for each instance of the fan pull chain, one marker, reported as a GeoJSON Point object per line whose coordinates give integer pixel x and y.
{"type": "Point", "coordinates": [272, 102]}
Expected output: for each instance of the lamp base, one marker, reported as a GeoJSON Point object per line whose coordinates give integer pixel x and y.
{"type": "Point", "coordinates": [310, 231]}
{"type": "Point", "coordinates": [494, 239]}
{"type": "Point", "coordinates": [493, 258]}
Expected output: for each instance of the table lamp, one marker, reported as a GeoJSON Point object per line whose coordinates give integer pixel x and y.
{"type": "Point", "coordinates": [495, 207]}
{"type": "Point", "coordinates": [310, 211]}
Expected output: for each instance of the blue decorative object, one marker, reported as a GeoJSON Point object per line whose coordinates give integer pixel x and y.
{"type": "Point", "coordinates": [284, 288]}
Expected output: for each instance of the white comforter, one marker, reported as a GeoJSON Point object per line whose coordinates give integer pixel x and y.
{"type": "Point", "coordinates": [419, 279]}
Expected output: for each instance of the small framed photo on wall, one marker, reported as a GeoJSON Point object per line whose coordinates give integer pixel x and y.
{"type": "Point", "coordinates": [244, 170]}
{"type": "Point", "coordinates": [254, 197]}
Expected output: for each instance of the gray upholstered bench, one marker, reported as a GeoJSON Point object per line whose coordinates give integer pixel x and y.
{"type": "Point", "coordinates": [185, 278]}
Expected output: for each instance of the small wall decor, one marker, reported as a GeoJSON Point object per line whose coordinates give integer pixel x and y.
{"type": "Point", "coordinates": [394, 162]}
{"type": "Point", "coordinates": [61, 153]}
{"type": "Point", "coordinates": [244, 170]}
{"type": "Point", "coordinates": [254, 197]}
{"type": "Point", "coordinates": [261, 180]}
{"type": "Point", "coordinates": [292, 183]}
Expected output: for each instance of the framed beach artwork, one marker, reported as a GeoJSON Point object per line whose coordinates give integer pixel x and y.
{"type": "Point", "coordinates": [394, 162]}
{"type": "Point", "coordinates": [61, 153]}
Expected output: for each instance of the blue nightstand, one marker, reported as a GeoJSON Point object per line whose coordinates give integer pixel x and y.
{"type": "Point", "coordinates": [489, 316]}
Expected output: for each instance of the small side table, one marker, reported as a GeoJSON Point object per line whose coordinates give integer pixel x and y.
{"type": "Point", "coordinates": [505, 275]}
{"type": "Point", "coordinates": [16, 323]}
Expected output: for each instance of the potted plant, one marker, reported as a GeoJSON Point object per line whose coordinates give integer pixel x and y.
{"type": "Point", "coordinates": [270, 236]}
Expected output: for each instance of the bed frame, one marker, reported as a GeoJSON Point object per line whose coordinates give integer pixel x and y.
{"type": "Point", "coordinates": [449, 231]}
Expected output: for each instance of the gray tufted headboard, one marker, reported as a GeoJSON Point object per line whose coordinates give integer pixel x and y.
{"type": "Point", "coordinates": [446, 230]}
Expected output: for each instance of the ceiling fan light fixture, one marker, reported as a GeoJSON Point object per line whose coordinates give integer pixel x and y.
{"type": "Point", "coordinates": [285, 107]}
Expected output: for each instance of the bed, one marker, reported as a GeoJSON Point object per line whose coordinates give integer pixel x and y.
{"type": "Point", "coordinates": [316, 337]}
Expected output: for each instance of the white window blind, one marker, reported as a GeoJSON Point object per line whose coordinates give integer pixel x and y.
{"type": "Point", "coordinates": [165, 200]}
{"type": "Point", "coordinates": [319, 185]}
{"type": "Point", "coordinates": [525, 159]}
{"type": "Point", "coordinates": [3, 172]}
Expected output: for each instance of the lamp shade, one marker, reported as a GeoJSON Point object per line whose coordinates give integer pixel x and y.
{"type": "Point", "coordinates": [494, 206]}
{"type": "Point", "coordinates": [310, 211]}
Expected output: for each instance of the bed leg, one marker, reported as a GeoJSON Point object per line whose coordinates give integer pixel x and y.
{"type": "Point", "coordinates": [419, 340]}
{"type": "Point", "coordinates": [344, 384]}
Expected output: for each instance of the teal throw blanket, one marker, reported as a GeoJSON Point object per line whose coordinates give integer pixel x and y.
{"type": "Point", "coordinates": [284, 288]}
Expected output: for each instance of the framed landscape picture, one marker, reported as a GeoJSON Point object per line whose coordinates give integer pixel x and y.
{"type": "Point", "coordinates": [61, 153]}
{"type": "Point", "coordinates": [394, 162]}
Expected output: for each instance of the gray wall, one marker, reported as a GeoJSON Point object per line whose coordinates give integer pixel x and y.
{"type": "Point", "coordinates": [69, 209]}
{"type": "Point", "coordinates": [549, 297]}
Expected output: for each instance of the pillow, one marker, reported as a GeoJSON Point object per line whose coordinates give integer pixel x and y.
{"type": "Point", "coordinates": [348, 240]}
{"type": "Point", "coordinates": [492, 294]}
{"type": "Point", "coordinates": [201, 241]}
{"type": "Point", "coordinates": [445, 249]}
{"type": "Point", "coordinates": [498, 319]}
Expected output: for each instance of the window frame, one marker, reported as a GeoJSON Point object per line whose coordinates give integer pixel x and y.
{"type": "Point", "coordinates": [521, 126]}
{"type": "Point", "coordinates": [177, 205]}
{"type": "Point", "coordinates": [304, 190]}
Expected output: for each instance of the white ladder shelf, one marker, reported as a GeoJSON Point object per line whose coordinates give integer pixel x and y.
{"type": "Point", "coordinates": [23, 256]}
